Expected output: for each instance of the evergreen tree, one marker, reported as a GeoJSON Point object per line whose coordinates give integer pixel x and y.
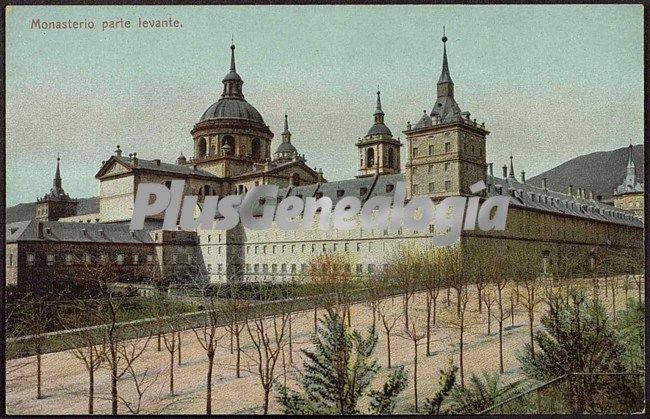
{"type": "Point", "coordinates": [433, 406]}
{"type": "Point", "coordinates": [579, 338]}
{"type": "Point", "coordinates": [338, 372]}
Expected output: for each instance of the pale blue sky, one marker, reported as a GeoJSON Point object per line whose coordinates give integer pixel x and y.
{"type": "Point", "coordinates": [550, 82]}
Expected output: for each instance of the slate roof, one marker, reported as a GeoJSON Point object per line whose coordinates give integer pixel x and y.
{"type": "Point", "coordinates": [232, 108]}
{"type": "Point", "coordinates": [73, 232]}
{"type": "Point", "coordinates": [182, 169]}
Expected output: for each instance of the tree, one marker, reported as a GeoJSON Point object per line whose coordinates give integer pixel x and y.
{"type": "Point", "coordinates": [432, 273]}
{"type": "Point", "coordinates": [459, 320]}
{"type": "Point", "coordinates": [630, 328]}
{"type": "Point", "coordinates": [404, 270]}
{"type": "Point", "coordinates": [481, 393]}
{"type": "Point", "coordinates": [415, 336]}
{"type": "Point", "coordinates": [433, 406]}
{"type": "Point", "coordinates": [235, 309]}
{"type": "Point", "coordinates": [209, 333]}
{"type": "Point", "coordinates": [338, 372]}
{"type": "Point", "coordinates": [388, 319]}
{"type": "Point", "coordinates": [268, 337]}
{"type": "Point", "coordinates": [577, 337]}
{"type": "Point", "coordinates": [79, 315]}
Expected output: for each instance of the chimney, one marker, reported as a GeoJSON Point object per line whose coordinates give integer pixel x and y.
{"type": "Point", "coordinates": [320, 175]}
{"type": "Point", "coordinates": [83, 232]}
{"type": "Point", "coordinates": [490, 169]}
{"type": "Point", "coordinates": [101, 232]}
{"type": "Point", "coordinates": [571, 190]}
{"type": "Point", "coordinates": [523, 177]}
{"type": "Point", "coordinates": [39, 227]}
{"type": "Point", "coordinates": [505, 171]}
{"type": "Point", "coordinates": [135, 159]}
{"type": "Point", "coordinates": [118, 152]}
{"type": "Point", "coordinates": [157, 161]}
{"type": "Point", "coordinates": [591, 195]}
{"type": "Point", "coordinates": [545, 184]}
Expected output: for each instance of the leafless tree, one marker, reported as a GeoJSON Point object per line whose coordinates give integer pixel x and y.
{"type": "Point", "coordinates": [268, 337]}
{"type": "Point", "coordinates": [403, 269]}
{"type": "Point", "coordinates": [415, 336]}
{"type": "Point", "coordinates": [459, 320]}
{"type": "Point", "coordinates": [388, 319]}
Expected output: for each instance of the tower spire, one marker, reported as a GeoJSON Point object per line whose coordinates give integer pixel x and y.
{"type": "Point", "coordinates": [630, 162]}
{"type": "Point", "coordinates": [445, 83]}
{"type": "Point", "coordinates": [286, 134]}
{"type": "Point", "coordinates": [512, 169]}
{"type": "Point", "coordinates": [379, 113]}
{"type": "Point", "coordinates": [57, 175]}
{"type": "Point", "coordinates": [232, 58]}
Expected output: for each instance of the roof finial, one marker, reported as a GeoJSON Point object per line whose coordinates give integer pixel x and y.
{"type": "Point", "coordinates": [232, 57]}
{"type": "Point", "coordinates": [378, 110]}
{"type": "Point", "coordinates": [512, 169]}
{"type": "Point", "coordinates": [286, 123]}
{"type": "Point", "coordinates": [444, 37]}
{"type": "Point", "coordinates": [630, 161]}
{"type": "Point", "coordinates": [445, 77]}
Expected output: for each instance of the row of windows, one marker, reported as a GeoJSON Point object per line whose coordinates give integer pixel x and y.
{"type": "Point", "coordinates": [293, 268]}
{"type": "Point", "coordinates": [313, 247]}
{"type": "Point", "coordinates": [69, 259]}
{"type": "Point", "coordinates": [432, 187]}
{"type": "Point", "coordinates": [432, 150]}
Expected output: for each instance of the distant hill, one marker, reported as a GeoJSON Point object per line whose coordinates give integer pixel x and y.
{"type": "Point", "coordinates": [600, 172]}
{"type": "Point", "coordinates": [24, 212]}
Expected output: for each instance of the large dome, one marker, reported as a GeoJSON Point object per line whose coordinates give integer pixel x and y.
{"type": "Point", "coordinates": [232, 108]}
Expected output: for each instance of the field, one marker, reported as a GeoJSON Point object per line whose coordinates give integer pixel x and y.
{"type": "Point", "coordinates": [65, 380]}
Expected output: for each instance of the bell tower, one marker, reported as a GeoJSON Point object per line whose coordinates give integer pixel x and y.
{"type": "Point", "coordinates": [446, 149]}
{"type": "Point", "coordinates": [379, 152]}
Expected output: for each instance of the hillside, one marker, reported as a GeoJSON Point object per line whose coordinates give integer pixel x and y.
{"type": "Point", "coordinates": [600, 172]}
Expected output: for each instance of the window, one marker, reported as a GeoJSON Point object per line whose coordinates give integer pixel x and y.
{"type": "Point", "coordinates": [209, 268]}
{"type": "Point", "coordinates": [136, 259]}
{"type": "Point", "coordinates": [346, 246]}
{"type": "Point", "coordinates": [432, 187]}
{"type": "Point", "coordinates": [447, 185]}
{"type": "Point", "coordinates": [209, 238]}
{"type": "Point", "coordinates": [274, 268]}
{"type": "Point", "coordinates": [324, 248]}
{"type": "Point", "coordinates": [50, 258]}
{"type": "Point", "coordinates": [303, 267]}
{"type": "Point", "coordinates": [431, 150]}
{"type": "Point", "coordinates": [431, 228]}
{"type": "Point", "coordinates": [371, 268]}
{"type": "Point", "coordinates": [313, 248]}
{"type": "Point", "coordinates": [265, 268]}
{"type": "Point", "coordinates": [119, 259]}
{"type": "Point", "coordinates": [303, 248]}
{"type": "Point", "coordinates": [293, 268]}
{"type": "Point", "coordinates": [149, 258]}
{"type": "Point", "coordinates": [256, 268]}
{"type": "Point", "coordinates": [416, 189]}
{"type": "Point", "coordinates": [11, 259]}
{"type": "Point", "coordinates": [415, 151]}
{"type": "Point", "coordinates": [283, 268]}
{"type": "Point", "coordinates": [248, 267]}
{"type": "Point", "coordinates": [30, 259]}
{"type": "Point", "coordinates": [273, 251]}
{"type": "Point", "coordinates": [293, 248]}
{"type": "Point", "coordinates": [358, 247]}
{"type": "Point", "coordinates": [359, 269]}
{"type": "Point", "coordinates": [447, 147]}
{"type": "Point", "coordinates": [256, 249]}
{"type": "Point", "coordinates": [430, 169]}
{"type": "Point", "coordinates": [68, 259]}
{"type": "Point", "coordinates": [447, 166]}
{"type": "Point", "coordinates": [220, 267]}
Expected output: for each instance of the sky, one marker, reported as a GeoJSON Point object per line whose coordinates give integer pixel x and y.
{"type": "Point", "coordinates": [550, 82]}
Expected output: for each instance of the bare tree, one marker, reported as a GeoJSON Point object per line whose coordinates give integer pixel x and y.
{"type": "Point", "coordinates": [268, 336]}
{"type": "Point", "coordinates": [388, 321]}
{"type": "Point", "coordinates": [459, 320]}
{"type": "Point", "coordinates": [489, 298]}
{"type": "Point", "coordinates": [403, 269]}
{"type": "Point", "coordinates": [79, 315]}
{"type": "Point", "coordinates": [34, 322]}
{"type": "Point", "coordinates": [432, 271]}
{"type": "Point", "coordinates": [415, 336]}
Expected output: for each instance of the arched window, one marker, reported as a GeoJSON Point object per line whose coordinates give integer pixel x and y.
{"type": "Point", "coordinates": [230, 141]}
{"type": "Point", "coordinates": [257, 149]}
{"type": "Point", "coordinates": [203, 146]}
{"type": "Point", "coordinates": [370, 157]}
{"type": "Point", "coordinates": [391, 158]}
{"type": "Point", "coordinates": [295, 179]}
{"type": "Point", "coordinates": [212, 150]}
